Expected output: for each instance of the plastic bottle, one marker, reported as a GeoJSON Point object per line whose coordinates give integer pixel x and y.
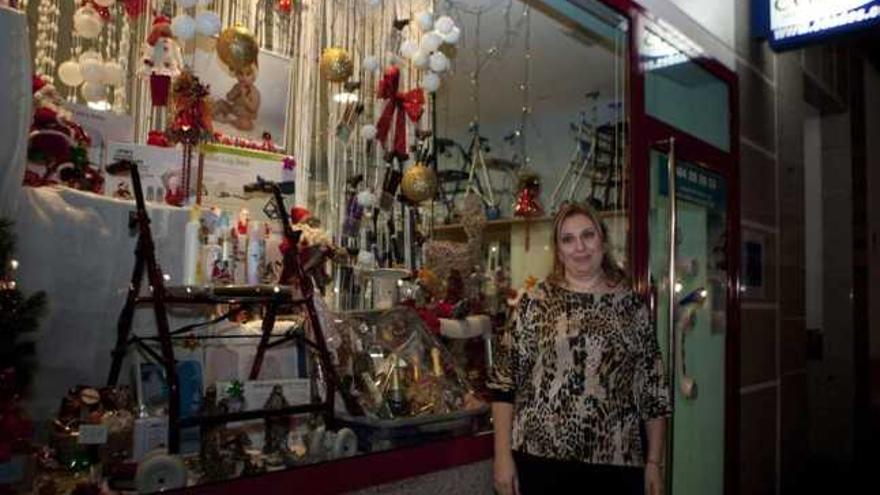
{"type": "Point", "coordinates": [191, 248]}
{"type": "Point", "coordinates": [254, 253]}
{"type": "Point", "coordinates": [211, 258]}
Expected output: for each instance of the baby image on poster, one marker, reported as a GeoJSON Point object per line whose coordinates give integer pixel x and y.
{"type": "Point", "coordinates": [247, 102]}
{"type": "Point", "coordinates": [241, 105]}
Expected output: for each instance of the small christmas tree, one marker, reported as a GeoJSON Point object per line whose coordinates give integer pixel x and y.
{"type": "Point", "coordinates": [19, 316]}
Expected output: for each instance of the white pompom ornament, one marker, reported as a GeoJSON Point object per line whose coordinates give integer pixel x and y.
{"type": "Point", "coordinates": [371, 63]}
{"type": "Point", "coordinates": [183, 27]}
{"type": "Point", "coordinates": [425, 20]}
{"type": "Point", "coordinates": [420, 59]}
{"type": "Point", "coordinates": [453, 36]}
{"type": "Point", "coordinates": [89, 55]}
{"type": "Point", "coordinates": [438, 62]}
{"type": "Point", "coordinates": [408, 48]}
{"type": "Point", "coordinates": [187, 4]}
{"type": "Point", "coordinates": [208, 23]}
{"type": "Point", "coordinates": [87, 23]}
{"type": "Point", "coordinates": [69, 73]}
{"type": "Point", "coordinates": [431, 82]}
{"type": "Point", "coordinates": [369, 132]}
{"type": "Point", "coordinates": [92, 71]}
{"type": "Point", "coordinates": [113, 74]}
{"type": "Point", "coordinates": [444, 25]}
{"type": "Point", "coordinates": [366, 199]}
{"type": "Point", "coordinates": [430, 42]}
{"type": "Point", "coordinates": [105, 3]}
{"type": "Point", "coordinates": [93, 92]}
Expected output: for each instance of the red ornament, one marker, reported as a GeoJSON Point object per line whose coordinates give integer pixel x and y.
{"type": "Point", "coordinates": [103, 12]}
{"type": "Point", "coordinates": [134, 8]}
{"type": "Point", "coordinates": [175, 196]}
{"type": "Point", "coordinates": [409, 104]}
{"type": "Point", "coordinates": [37, 83]}
{"type": "Point", "coordinates": [158, 138]}
{"type": "Point", "coordinates": [284, 6]}
{"type": "Point", "coordinates": [529, 192]}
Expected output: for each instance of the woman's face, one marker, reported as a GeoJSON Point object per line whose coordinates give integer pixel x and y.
{"type": "Point", "coordinates": [580, 246]}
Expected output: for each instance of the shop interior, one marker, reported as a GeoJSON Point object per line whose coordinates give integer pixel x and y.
{"type": "Point", "coordinates": [266, 234]}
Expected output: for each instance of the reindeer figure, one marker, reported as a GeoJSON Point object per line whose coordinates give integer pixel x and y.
{"type": "Point", "coordinates": [441, 257]}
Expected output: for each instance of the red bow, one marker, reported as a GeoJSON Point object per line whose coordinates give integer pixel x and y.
{"type": "Point", "coordinates": [409, 104]}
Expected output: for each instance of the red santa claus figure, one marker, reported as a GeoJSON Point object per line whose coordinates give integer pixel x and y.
{"type": "Point", "coordinates": [161, 59]}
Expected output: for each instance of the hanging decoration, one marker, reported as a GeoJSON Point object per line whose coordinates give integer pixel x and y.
{"type": "Point", "coordinates": [429, 53]}
{"type": "Point", "coordinates": [208, 23]}
{"type": "Point", "coordinates": [70, 74]}
{"type": "Point", "coordinates": [237, 48]}
{"type": "Point", "coordinates": [397, 108]}
{"type": "Point", "coordinates": [87, 22]}
{"type": "Point", "coordinates": [527, 196]}
{"type": "Point", "coordinates": [284, 6]}
{"type": "Point", "coordinates": [134, 8]}
{"type": "Point", "coordinates": [183, 27]}
{"type": "Point", "coordinates": [336, 65]}
{"type": "Point", "coordinates": [370, 63]}
{"type": "Point", "coordinates": [419, 183]}
{"type": "Point", "coordinates": [46, 44]}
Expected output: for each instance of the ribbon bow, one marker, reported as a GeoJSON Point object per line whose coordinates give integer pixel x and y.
{"type": "Point", "coordinates": [405, 104]}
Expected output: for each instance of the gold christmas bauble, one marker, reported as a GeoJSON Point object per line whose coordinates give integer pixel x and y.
{"type": "Point", "coordinates": [237, 48]}
{"type": "Point", "coordinates": [336, 65]}
{"type": "Point", "coordinates": [419, 183]}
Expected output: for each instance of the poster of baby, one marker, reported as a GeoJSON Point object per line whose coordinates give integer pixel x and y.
{"type": "Point", "coordinates": [250, 101]}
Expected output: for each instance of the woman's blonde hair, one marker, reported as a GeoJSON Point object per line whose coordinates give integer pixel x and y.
{"type": "Point", "coordinates": [613, 273]}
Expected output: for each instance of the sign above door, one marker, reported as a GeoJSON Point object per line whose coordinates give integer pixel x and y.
{"type": "Point", "coordinates": [790, 24]}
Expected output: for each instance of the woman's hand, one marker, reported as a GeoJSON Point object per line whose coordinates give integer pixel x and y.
{"type": "Point", "coordinates": [505, 475]}
{"type": "Point", "coordinates": [653, 479]}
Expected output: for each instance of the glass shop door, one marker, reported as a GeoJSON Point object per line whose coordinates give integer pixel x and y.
{"type": "Point", "coordinates": [690, 205]}
{"type": "Point", "coordinates": [692, 217]}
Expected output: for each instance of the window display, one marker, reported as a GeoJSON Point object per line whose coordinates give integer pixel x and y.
{"type": "Point", "coordinates": [322, 217]}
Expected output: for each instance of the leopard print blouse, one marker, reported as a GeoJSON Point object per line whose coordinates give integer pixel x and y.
{"type": "Point", "coordinates": [582, 371]}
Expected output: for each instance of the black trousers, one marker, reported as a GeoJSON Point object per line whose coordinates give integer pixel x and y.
{"type": "Point", "coordinates": [540, 475]}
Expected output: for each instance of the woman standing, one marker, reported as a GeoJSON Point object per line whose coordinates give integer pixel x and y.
{"type": "Point", "coordinates": [576, 374]}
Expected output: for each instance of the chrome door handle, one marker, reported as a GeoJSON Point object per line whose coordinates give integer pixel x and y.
{"type": "Point", "coordinates": [688, 306]}
{"type": "Point", "coordinates": [677, 368]}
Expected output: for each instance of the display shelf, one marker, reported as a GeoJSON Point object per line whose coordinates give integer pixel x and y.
{"type": "Point", "coordinates": [294, 291]}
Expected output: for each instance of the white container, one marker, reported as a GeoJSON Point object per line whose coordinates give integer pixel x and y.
{"type": "Point", "coordinates": [191, 249]}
